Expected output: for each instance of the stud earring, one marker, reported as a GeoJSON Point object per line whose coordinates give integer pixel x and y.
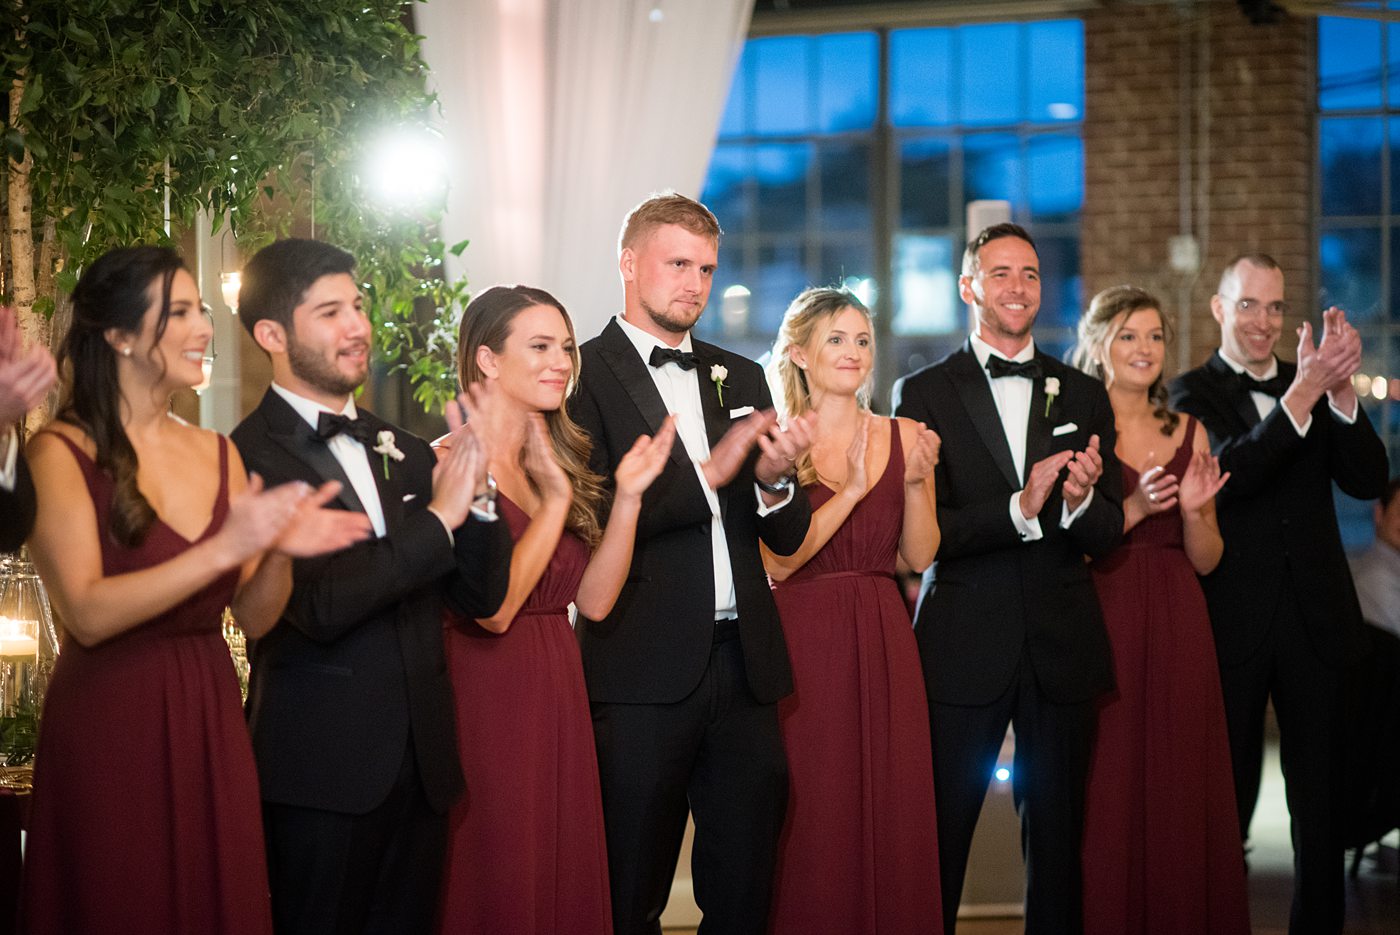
{"type": "Point", "coordinates": [126, 351]}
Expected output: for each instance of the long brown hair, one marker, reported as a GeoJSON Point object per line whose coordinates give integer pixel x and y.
{"type": "Point", "coordinates": [1107, 313]}
{"type": "Point", "coordinates": [114, 292]}
{"type": "Point", "coordinates": [486, 322]}
{"type": "Point", "coordinates": [809, 317]}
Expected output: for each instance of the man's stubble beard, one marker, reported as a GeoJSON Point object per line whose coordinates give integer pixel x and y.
{"type": "Point", "coordinates": [669, 323]}
{"type": "Point", "coordinates": [310, 368]}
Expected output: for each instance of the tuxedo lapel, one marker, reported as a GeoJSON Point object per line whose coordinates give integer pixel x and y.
{"type": "Point", "coordinates": [385, 481]}
{"type": "Point", "coordinates": [631, 371]}
{"type": "Point", "coordinates": [1039, 427]}
{"type": "Point", "coordinates": [1236, 396]}
{"type": "Point", "coordinates": [291, 433]}
{"type": "Point", "coordinates": [716, 415]}
{"type": "Point", "coordinates": [976, 396]}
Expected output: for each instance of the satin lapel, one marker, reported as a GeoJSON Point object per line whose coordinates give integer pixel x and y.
{"type": "Point", "coordinates": [716, 415]}
{"type": "Point", "coordinates": [390, 491]}
{"type": "Point", "coordinates": [631, 371]}
{"type": "Point", "coordinates": [1040, 425]}
{"type": "Point", "coordinates": [971, 385]}
{"type": "Point", "coordinates": [1238, 397]}
{"type": "Point", "coordinates": [300, 442]}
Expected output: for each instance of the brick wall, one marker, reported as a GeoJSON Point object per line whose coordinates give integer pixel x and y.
{"type": "Point", "coordinates": [1243, 127]}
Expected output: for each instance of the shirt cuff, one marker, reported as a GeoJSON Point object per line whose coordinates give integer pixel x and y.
{"type": "Point", "coordinates": [9, 445]}
{"type": "Point", "coordinates": [764, 509]}
{"type": "Point", "coordinates": [1028, 528]}
{"type": "Point", "coordinates": [1342, 417]}
{"type": "Point", "coordinates": [1066, 517]}
{"type": "Point", "coordinates": [1302, 430]}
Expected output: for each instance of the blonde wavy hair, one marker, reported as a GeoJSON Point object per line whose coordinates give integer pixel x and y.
{"type": "Point", "coordinates": [805, 324]}
{"type": "Point", "coordinates": [486, 322]}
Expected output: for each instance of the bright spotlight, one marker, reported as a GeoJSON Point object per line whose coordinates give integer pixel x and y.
{"type": "Point", "coordinates": [407, 168]}
{"type": "Point", "coordinates": [1002, 774]}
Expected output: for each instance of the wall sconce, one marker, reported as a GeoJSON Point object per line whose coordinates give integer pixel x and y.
{"type": "Point", "coordinates": [229, 284]}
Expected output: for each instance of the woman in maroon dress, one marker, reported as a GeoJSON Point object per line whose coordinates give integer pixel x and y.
{"type": "Point", "coordinates": [145, 815]}
{"type": "Point", "coordinates": [1161, 839]}
{"type": "Point", "coordinates": [526, 852]}
{"type": "Point", "coordinates": [859, 851]}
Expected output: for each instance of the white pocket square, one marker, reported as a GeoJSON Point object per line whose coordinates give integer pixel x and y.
{"type": "Point", "coordinates": [409, 496]}
{"type": "Point", "coordinates": [1064, 429]}
{"type": "Point", "coordinates": [740, 412]}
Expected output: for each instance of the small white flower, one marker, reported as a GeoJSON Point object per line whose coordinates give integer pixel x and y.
{"type": "Point", "coordinates": [1052, 389]}
{"type": "Point", "coordinates": [388, 449]}
{"type": "Point", "coordinates": [718, 374]}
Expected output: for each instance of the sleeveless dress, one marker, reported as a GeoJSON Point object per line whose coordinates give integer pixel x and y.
{"type": "Point", "coordinates": [1162, 850]}
{"type": "Point", "coordinates": [145, 816]}
{"type": "Point", "coordinates": [526, 853]}
{"type": "Point", "coordinates": [859, 850]}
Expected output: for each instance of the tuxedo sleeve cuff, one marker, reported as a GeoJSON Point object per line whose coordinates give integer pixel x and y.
{"type": "Point", "coordinates": [764, 509]}
{"type": "Point", "coordinates": [1302, 430]}
{"type": "Point", "coordinates": [1343, 417]}
{"type": "Point", "coordinates": [9, 445]}
{"type": "Point", "coordinates": [1067, 518]}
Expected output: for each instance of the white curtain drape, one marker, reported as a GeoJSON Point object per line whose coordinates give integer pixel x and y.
{"type": "Point", "coordinates": [563, 114]}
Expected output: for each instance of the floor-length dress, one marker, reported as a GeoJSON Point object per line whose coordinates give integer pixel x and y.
{"type": "Point", "coordinates": [859, 851]}
{"type": "Point", "coordinates": [1162, 851]}
{"type": "Point", "coordinates": [146, 816]}
{"type": "Point", "coordinates": [526, 853]}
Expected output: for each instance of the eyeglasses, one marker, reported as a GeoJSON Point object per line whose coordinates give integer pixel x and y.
{"type": "Point", "coordinates": [1252, 308]}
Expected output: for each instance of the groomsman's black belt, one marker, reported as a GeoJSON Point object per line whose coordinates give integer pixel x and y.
{"type": "Point", "coordinates": [726, 630]}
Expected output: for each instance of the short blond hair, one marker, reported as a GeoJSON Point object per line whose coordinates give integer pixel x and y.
{"type": "Point", "coordinates": [663, 208]}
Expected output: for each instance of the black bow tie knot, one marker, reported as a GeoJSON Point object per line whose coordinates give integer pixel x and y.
{"type": "Point", "coordinates": [1275, 386]}
{"type": "Point", "coordinates": [660, 356]}
{"type": "Point", "coordinates": [1001, 367]}
{"type": "Point", "coordinates": [329, 425]}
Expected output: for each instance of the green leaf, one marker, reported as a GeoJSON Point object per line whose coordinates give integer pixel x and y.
{"type": "Point", "coordinates": [182, 104]}
{"type": "Point", "coordinates": [33, 94]}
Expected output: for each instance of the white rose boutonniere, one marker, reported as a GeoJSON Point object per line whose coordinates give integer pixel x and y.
{"type": "Point", "coordinates": [388, 449]}
{"type": "Point", "coordinates": [1052, 389]}
{"type": "Point", "coordinates": [718, 374]}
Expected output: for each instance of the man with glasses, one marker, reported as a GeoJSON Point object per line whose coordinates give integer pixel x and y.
{"type": "Point", "coordinates": [1281, 600]}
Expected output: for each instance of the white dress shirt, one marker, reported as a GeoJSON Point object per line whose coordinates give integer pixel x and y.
{"type": "Point", "coordinates": [9, 457]}
{"type": "Point", "coordinates": [350, 453]}
{"type": "Point", "coordinates": [1012, 396]}
{"type": "Point", "coordinates": [1264, 403]}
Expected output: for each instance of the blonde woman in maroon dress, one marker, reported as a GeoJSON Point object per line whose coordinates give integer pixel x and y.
{"type": "Point", "coordinates": [526, 853]}
{"type": "Point", "coordinates": [859, 851]}
{"type": "Point", "coordinates": [145, 815]}
{"type": "Point", "coordinates": [1161, 837]}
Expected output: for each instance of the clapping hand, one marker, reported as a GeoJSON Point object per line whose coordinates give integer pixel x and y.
{"type": "Point", "coordinates": [1156, 490]}
{"type": "Point", "coordinates": [922, 456]}
{"type": "Point", "coordinates": [645, 460]}
{"type": "Point", "coordinates": [315, 530]}
{"type": "Point", "coordinates": [541, 463]}
{"type": "Point", "coordinates": [1085, 469]}
{"type": "Point", "coordinates": [1328, 367]}
{"type": "Point", "coordinates": [1202, 482]}
{"type": "Point", "coordinates": [782, 446]}
{"type": "Point", "coordinates": [25, 374]}
{"type": "Point", "coordinates": [728, 455]}
{"type": "Point", "coordinates": [857, 478]}
{"type": "Point", "coordinates": [458, 476]}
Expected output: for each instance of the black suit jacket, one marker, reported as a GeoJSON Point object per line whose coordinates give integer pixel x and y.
{"type": "Point", "coordinates": [17, 507]}
{"type": "Point", "coordinates": [655, 645]}
{"type": "Point", "coordinates": [356, 661]}
{"type": "Point", "coordinates": [991, 599]}
{"type": "Point", "coordinates": [1276, 512]}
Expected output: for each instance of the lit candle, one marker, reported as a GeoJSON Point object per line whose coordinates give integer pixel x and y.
{"type": "Point", "coordinates": [19, 637]}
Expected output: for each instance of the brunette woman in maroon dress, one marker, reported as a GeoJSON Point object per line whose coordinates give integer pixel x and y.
{"type": "Point", "coordinates": [145, 815]}
{"type": "Point", "coordinates": [859, 851]}
{"type": "Point", "coordinates": [526, 854]}
{"type": "Point", "coordinates": [1161, 838]}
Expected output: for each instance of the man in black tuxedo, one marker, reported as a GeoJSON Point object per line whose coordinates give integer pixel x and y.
{"type": "Point", "coordinates": [1281, 600]}
{"type": "Point", "coordinates": [25, 376]}
{"type": "Point", "coordinates": [349, 702]}
{"type": "Point", "coordinates": [1009, 627]}
{"type": "Point", "coordinates": [686, 671]}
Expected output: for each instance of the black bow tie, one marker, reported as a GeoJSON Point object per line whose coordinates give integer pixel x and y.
{"type": "Point", "coordinates": [1001, 367]}
{"type": "Point", "coordinates": [329, 425]}
{"type": "Point", "coordinates": [661, 356]}
{"type": "Point", "coordinates": [1275, 386]}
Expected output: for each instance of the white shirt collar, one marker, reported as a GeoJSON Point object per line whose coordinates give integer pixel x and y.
{"type": "Point", "coordinates": [983, 350]}
{"type": "Point", "coordinates": [644, 341]}
{"type": "Point", "coordinates": [1241, 368]}
{"type": "Point", "coordinates": [309, 409]}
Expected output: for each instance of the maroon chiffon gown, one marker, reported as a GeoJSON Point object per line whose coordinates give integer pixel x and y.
{"type": "Point", "coordinates": [526, 852]}
{"type": "Point", "coordinates": [859, 851]}
{"type": "Point", "coordinates": [1162, 850]}
{"type": "Point", "coordinates": [145, 815]}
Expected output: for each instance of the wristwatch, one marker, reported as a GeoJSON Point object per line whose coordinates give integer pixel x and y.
{"type": "Point", "coordinates": [484, 503]}
{"type": "Point", "coordinates": [783, 485]}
